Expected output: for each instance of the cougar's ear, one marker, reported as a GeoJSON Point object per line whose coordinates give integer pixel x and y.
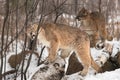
{"type": "Point", "coordinates": [83, 9]}
{"type": "Point", "coordinates": [35, 27]}
{"type": "Point", "coordinates": [82, 13]}
{"type": "Point", "coordinates": [86, 12]}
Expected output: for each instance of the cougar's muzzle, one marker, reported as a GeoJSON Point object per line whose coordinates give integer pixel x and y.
{"type": "Point", "coordinates": [32, 35]}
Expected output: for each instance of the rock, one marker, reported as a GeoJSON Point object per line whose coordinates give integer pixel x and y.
{"type": "Point", "coordinates": [16, 59]}
{"type": "Point", "coordinates": [109, 66]}
{"type": "Point", "coordinates": [116, 59]}
{"type": "Point", "coordinates": [52, 71]}
{"type": "Point", "coordinates": [74, 65]}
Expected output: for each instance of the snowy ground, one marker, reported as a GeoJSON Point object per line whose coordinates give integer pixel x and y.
{"type": "Point", "coordinates": [111, 75]}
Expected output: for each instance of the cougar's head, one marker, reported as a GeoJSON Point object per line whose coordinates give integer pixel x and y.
{"type": "Point", "coordinates": [83, 14]}
{"type": "Point", "coordinates": [32, 31]}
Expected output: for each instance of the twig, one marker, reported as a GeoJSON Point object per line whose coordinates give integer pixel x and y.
{"type": "Point", "coordinates": [40, 56]}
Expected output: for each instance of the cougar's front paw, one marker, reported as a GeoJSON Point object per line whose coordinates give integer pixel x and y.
{"type": "Point", "coordinates": [82, 73]}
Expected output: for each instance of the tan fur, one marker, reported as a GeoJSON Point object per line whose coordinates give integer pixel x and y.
{"type": "Point", "coordinates": [66, 38]}
{"type": "Point", "coordinates": [94, 24]}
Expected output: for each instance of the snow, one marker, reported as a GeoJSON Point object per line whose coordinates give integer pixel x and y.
{"type": "Point", "coordinates": [115, 19]}
{"type": "Point", "coordinates": [111, 75]}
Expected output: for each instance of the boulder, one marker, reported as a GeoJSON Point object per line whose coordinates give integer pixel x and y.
{"type": "Point", "coordinates": [74, 65]}
{"type": "Point", "coordinates": [51, 71]}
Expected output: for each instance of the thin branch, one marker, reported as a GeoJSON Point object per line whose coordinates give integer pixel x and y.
{"type": "Point", "coordinates": [56, 8]}
{"type": "Point", "coordinates": [40, 56]}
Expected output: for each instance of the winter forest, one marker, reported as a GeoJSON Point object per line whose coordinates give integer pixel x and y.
{"type": "Point", "coordinates": [33, 31]}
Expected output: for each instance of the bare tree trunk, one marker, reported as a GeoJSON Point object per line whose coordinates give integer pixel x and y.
{"type": "Point", "coordinates": [16, 26]}
{"type": "Point", "coordinates": [100, 2]}
{"type": "Point", "coordinates": [2, 37]}
{"type": "Point", "coordinates": [23, 75]}
{"type": "Point", "coordinates": [5, 54]}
